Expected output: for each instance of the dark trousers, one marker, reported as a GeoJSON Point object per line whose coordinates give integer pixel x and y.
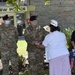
{"type": "Point", "coordinates": [1, 71]}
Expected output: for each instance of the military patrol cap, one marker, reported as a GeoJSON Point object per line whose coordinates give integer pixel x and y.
{"type": "Point", "coordinates": [5, 17]}
{"type": "Point", "coordinates": [33, 18]}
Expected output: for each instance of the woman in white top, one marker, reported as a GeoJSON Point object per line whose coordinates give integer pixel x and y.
{"type": "Point", "coordinates": [56, 52]}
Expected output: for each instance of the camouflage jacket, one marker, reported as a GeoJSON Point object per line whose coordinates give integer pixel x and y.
{"type": "Point", "coordinates": [8, 37]}
{"type": "Point", "coordinates": [34, 34]}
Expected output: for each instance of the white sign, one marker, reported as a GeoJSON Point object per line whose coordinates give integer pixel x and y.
{"type": "Point", "coordinates": [11, 9]}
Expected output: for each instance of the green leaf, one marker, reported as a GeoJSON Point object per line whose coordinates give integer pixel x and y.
{"type": "Point", "coordinates": [13, 3]}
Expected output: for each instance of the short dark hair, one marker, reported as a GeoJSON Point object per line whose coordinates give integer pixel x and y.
{"type": "Point", "coordinates": [53, 28]}
{"type": "Point", "coordinates": [33, 18]}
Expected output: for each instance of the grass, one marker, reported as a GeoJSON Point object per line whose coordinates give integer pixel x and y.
{"type": "Point", "coordinates": [22, 47]}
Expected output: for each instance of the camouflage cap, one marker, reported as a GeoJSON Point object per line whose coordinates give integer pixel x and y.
{"type": "Point", "coordinates": [33, 18]}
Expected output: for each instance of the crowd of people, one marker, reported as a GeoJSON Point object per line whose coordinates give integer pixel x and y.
{"type": "Point", "coordinates": [51, 42]}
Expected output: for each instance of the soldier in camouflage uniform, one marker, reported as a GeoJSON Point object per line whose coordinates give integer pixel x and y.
{"type": "Point", "coordinates": [8, 40]}
{"type": "Point", "coordinates": [35, 54]}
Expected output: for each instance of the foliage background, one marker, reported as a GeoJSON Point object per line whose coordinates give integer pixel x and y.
{"type": "Point", "coordinates": [68, 32]}
{"type": "Point", "coordinates": [22, 47]}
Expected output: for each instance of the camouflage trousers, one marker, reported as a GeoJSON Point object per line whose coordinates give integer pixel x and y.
{"type": "Point", "coordinates": [36, 66]}
{"type": "Point", "coordinates": [11, 55]}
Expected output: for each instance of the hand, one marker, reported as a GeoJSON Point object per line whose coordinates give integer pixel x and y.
{"type": "Point", "coordinates": [36, 43]}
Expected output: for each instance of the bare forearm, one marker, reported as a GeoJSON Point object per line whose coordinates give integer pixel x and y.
{"type": "Point", "coordinates": [39, 45]}
{"type": "Point", "coordinates": [73, 44]}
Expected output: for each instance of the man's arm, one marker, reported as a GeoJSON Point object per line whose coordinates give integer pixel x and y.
{"type": "Point", "coordinates": [39, 45]}
{"type": "Point", "coordinates": [28, 37]}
